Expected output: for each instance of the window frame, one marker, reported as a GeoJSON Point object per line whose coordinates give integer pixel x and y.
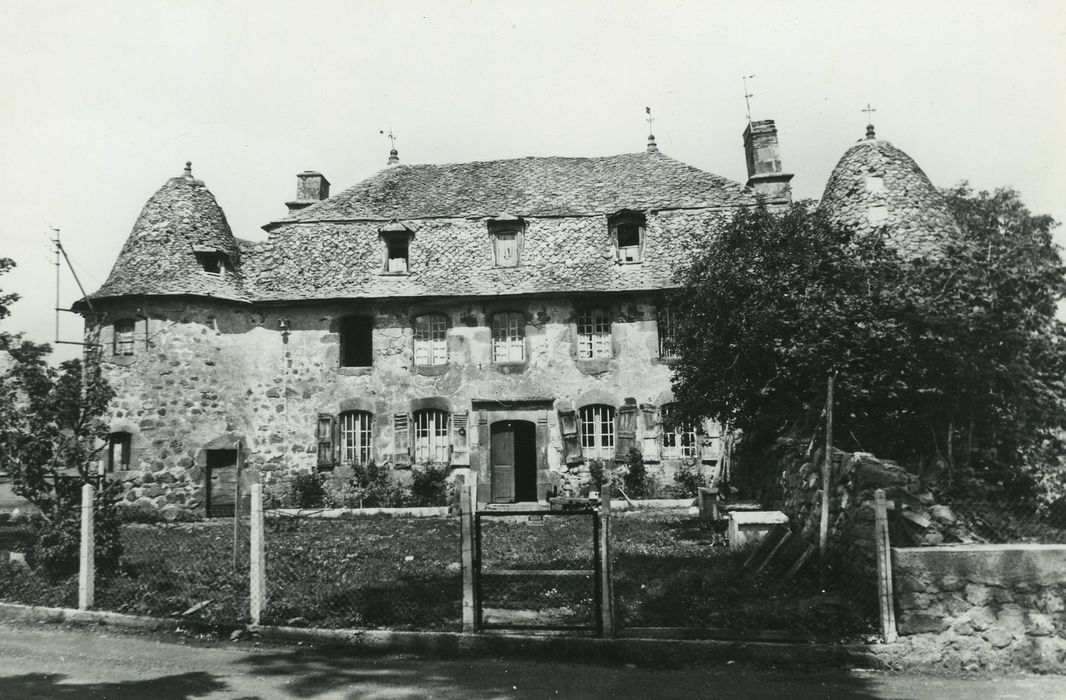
{"type": "Point", "coordinates": [355, 433]}
{"type": "Point", "coordinates": [396, 234]}
{"type": "Point", "coordinates": [629, 254]}
{"type": "Point", "coordinates": [680, 438]}
{"type": "Point", "coordinates": [347, 327]}
{"type": "Point", "coordinates": [665, 330]}
{"type": "Point", "coordinates": [431, 348]}
{"type": "Point", "coordinates": [123, 341]}
{"type": "Point", "coordinates": [594, 330]}
{"type": "Point", "coordinates": [508, 331]}
{"type": "Point", "coordinates": [123, 440]}
{"type": "Point", "coordinates": [597, 423]}
{"type": "Point", "coordinates": [506, 225]}
{"type": "Point", "coordinates": [432, 436]}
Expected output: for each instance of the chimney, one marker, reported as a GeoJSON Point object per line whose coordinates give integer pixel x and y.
{"type": "Point", "coordinates": [311, 187]}
{"type": "Point", "coordinates": [764, 163]}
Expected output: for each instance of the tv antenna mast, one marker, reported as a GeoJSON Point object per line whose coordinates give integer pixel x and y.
{"type": "Point", "coordinates": [747, 95]}
{"type": "Point", "coordinates": [61, 253]}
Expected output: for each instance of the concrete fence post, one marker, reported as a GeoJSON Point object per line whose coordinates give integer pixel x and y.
{"type": "Point", "coordinates": [87, 558]}
{"type": "Point", "coordinates": [466, 530]}
{"type": "Point", "coordinates": [884, 568]}
{"type": "Point", "coordinates": [606, 584]}
{"type": "Point", "coordinates": [257, 557]}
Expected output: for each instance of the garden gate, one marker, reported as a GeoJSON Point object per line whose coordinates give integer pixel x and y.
{"type": "Point", "coordinates": [538, 570]}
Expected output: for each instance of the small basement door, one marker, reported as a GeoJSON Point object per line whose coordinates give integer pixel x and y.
{"type": "Point", "coordinates": [514, 461]}
{"type": "Point", "coordinates": [221, 483]}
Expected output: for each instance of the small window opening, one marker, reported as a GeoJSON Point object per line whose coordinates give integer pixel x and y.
{"type": "Point", "coordinates": [118, 451]}
{"type": "Point", "coordinates": [667, 333]}
{"type": "Point", "coordinates": [123, 337]}
{"type": "Point", "coordinates": [627, 234]}
{"type": "Point", "coordinates": [357, 341]}
{"type": "Point", "coordinates": [212, 262]}
{"type": "Point", "coordinates": [397, 252]}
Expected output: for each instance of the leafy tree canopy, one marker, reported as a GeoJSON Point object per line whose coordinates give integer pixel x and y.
{"type": "Point", "coordinates": [956, 356]}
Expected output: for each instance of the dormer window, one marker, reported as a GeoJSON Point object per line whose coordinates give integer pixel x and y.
{"type": "Point", "coordinates": [212, 261]}
{"type": "Point", "coordinates": [627, 235]}
{"type": "Point", "coordinates": [506, 232]}
{"type": "Point", "coordinates": [397, 239]}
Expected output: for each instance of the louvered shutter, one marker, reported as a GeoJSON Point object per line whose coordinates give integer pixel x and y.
{"type": "Point", "coordinates": [401, 440]}
{"type": "Point", "coordinates": [626, 431]}
{"type": "Point", "coordinates": [569, 427]}
{"type": "Point", "coordinates": [326, 439]}
{"type": "Point", "coordinates": [461, 438]}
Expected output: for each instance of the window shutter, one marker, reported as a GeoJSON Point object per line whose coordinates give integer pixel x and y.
{"type": "Point", "coordinates": [569, 427]}
{"type": "Point", "coordinates": [461, 438]}
{"type": "Point", "coordinates": [401, 440]}
{"type": "Point", "coordinates": [326, 439]}
{"type": "Point", "coordinates": [650, 432]}
{"type": "Point", "coordinates": [626, 430]}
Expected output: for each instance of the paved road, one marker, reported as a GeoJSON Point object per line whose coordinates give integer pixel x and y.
{"type": "Point", "coordinates": [38, 661]}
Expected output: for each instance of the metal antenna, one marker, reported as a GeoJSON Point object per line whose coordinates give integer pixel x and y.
{"type": "Point", "coordinates": [57, 245]}
{"type": "Point", "coordinates": [747, 95]}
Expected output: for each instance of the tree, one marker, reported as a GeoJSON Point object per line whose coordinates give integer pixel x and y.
{"type": "Point", "coordinates": [51, 434]}
{"type": "Point", "coordinates": [956, 357]}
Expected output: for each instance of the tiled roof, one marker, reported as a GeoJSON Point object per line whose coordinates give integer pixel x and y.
{"type": "Point", "coordinates": [528, 187]}
{"type": "Point", "coordinates": [159, 256]}
{"type": "Point", "coordinates": [875, 186]}
{"type": "Point", "coordinates": [454, 256]}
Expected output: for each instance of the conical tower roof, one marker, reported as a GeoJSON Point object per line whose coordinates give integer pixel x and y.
{"type": "Point", "coordinates": [877, 187]}
{"type": "Point", "coordinates": [180, 244]}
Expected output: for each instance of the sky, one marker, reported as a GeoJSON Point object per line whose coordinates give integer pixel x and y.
{"type": "Point", "coordinates": [102, 102]}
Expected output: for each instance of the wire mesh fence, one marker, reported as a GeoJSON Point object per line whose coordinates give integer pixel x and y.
{"type": "Point", "coordinates": [373, 571]}
{"type": "Point", "coordinates": [30, 579]}
{"type": "Point", "coordinates": [538, 570]}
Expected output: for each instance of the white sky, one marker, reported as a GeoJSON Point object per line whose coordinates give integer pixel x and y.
{"type": "Point", "coordinates": [103, 101]}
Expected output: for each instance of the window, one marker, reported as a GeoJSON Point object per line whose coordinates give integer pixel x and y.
{"type": "Point", "coordinates": [213, 263]}
{"type": "Point", "coordinates": [506, 233]}
{"type": "Point", "coordinates": [118, 452]}
{"type": "Point", "coordinates": [431, 437]}
{"type": "Point", "coordinates": [597, 431]}
{"type": "Point", "coordinates": [593, 335]}
{"type": "Point", "coordinates": [627, 234]}
{"type": "Point", "coordinates": [680, 439]}
{"type": "Point", "coordinates": [356, 437]}
{"type": "Point", "coordinates": [123, 337]}
{"type": "Point", "coordinates": [509, 337]}
{"type": "Point", "coordinates": [397, 238]}
{"type": "Point", "coordinates": [430, 340]}
{"type": "Point", "coordinates": [357, 344]}
{"type": "Point", "coordinates": [665, 324]}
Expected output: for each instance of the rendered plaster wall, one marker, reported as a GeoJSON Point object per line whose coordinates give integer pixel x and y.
{"type": "Point", "coordinates": [984, 606]}
{"type": "Point", "coordinates": [208, 374]}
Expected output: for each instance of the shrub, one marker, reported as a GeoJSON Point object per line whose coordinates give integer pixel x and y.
{"type": "Point", "coordinates": [636, 476]}
{"type": "Point", "coordinates": [430, 486]}
{"type": "Point", "coordinates": [381, 490]}
{"type": "Point", "coordinates": [688, 478]}
{"type": "Point", "coordinates": [308, 491]}
{"type": "Point", "coordinates": [348, 493]}
{"type": "Point", "coordinates": [56, 549]}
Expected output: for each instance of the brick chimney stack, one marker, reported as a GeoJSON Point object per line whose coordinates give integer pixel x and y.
{"type": "Point", "coordinates": [765, 175]}
{"type": "Point", "coordinates": [311, 187]}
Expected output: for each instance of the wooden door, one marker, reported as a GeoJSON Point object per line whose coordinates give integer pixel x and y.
{"type": "Point", "coordinates": [221, 483]}
{"type": "Point", "coordinates": [502, 462]}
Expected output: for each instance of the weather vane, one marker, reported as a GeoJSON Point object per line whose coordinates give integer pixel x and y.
{"type": "Point", "coordinates": [650, 120]}
{"type": "Point", "coordinates": [747, 95]}
{"type": "Point", "coordinates": [391, 136]}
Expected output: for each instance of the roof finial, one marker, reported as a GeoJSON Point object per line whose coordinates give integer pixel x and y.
{"type": "Point", "coordinates": [747, 95]}
{"type": "Point", "coordinates": [188, 169]}
{"type": "Point", "coordinates": [394, 155]}
{"type": "Point", "coordinates": [869, 118]}
{"type": "Point", "coordinates": [652, 146]}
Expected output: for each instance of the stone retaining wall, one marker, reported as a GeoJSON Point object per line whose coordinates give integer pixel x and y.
{"type": "Point", "coordinates": [984, 606]}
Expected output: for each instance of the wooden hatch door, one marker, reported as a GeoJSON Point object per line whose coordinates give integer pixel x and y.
{"type": "Point", "coordinates": [221, 483]}
{"type": "Point", "coordinates": [502, 462]}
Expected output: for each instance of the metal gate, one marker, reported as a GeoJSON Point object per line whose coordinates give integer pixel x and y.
{"type": "Point", "coordinates": [538, 570]}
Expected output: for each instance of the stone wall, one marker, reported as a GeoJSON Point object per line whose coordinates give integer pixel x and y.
{"type": "Point", "coordinates": [984, 606]}
{"type": "Point", "coordinates": [211, 374]}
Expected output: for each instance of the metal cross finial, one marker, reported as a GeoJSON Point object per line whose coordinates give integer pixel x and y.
{"type": "Point", "coordinates": [869, 111]}
{"type": "Point", "coordinates": [392, 138]}
{"type": "Point", "coordinates": [650, 120]}
{"type": "Point", "coordinates": [747, 95]}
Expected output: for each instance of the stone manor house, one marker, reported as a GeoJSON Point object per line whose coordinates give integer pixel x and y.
{"type": "Point", "coordinates": [504, 319]}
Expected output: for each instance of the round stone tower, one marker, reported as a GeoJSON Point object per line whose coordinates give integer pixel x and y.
{"type": "Point", "coordinates": [875, 187]}
{"type": "Point", "coordinates": [181, 244]}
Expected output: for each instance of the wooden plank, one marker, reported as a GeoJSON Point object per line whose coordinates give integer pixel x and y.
{"type": "Point", "coordinates": [466, 527]}
{"type": "Point", "coordinates": [884, 568]}
{"type": "Point", "coordinates": [803, 559]}
{"type": "Point", "coordinates": [765, 545]}
{"type": "Point", "coordinates": [539, 572]}
{"type": "Point", "coordinates": [774, 551]}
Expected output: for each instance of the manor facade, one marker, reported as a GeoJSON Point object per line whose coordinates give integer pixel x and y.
{"type": "Point", "coordinates": [502, 319]}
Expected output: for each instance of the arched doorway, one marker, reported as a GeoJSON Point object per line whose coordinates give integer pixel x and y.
{"type": "Point", "coordinates": [513, 461]}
